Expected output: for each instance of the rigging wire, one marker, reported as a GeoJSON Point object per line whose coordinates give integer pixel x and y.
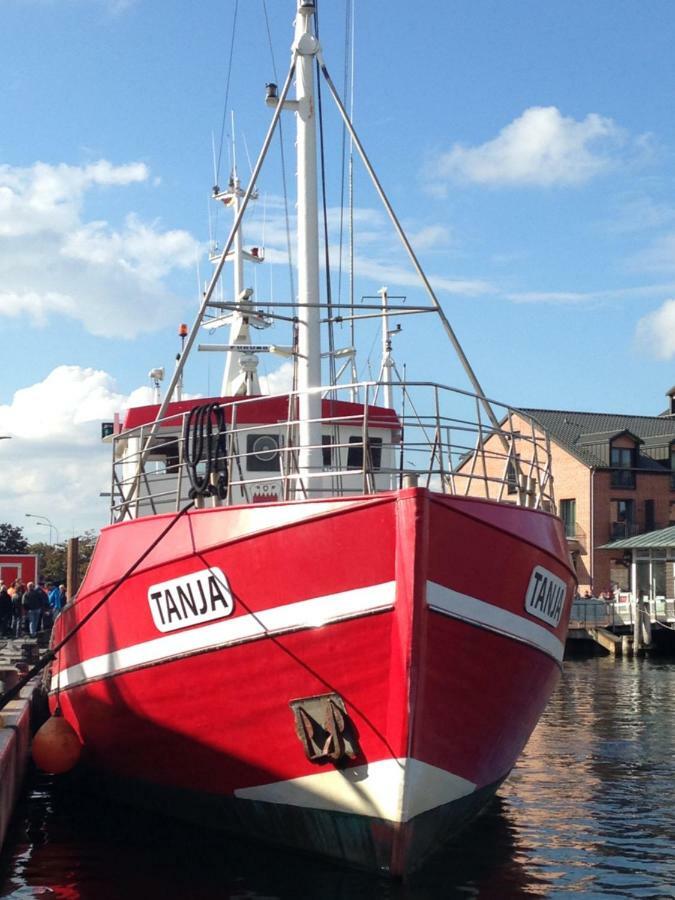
{"type": "Point", "coordinates": [51, 654]}
{"type": "Point", "coordinates": [227, 89]}
{"type": "Point", "coordinates": [291, 276]}
{"type": "Point", "coordinates": [343, 150]}
{"type": "Point", "coordinates": [322, 148]}
{"type": "Point", "coordinates": [351, 198]}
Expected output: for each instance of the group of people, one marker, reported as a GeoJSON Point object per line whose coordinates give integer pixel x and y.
{"type": "Point", "coordinates": [29, 608]}
{"type": "Point", "coordinates": [609, 596]}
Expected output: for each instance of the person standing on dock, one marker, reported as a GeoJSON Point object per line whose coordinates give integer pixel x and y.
{"type": "Point", "coordinates": [33, 603]}
{"type": "Point", "coordinates": [57, 599]}
{"type": "Point", "coordinates": [5, 611]}
{"type": "Point", "coordinates": [19, 615]}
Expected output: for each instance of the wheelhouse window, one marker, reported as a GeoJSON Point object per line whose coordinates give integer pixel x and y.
{"type": "Point", "coordinates": [622, 461]}
{"type": "Point", "coordinates": [166, 456]}
{"type": "Point", "coordinates": [263, 452]}
{"type": "Point", "coordinates": [327, 450]}
{"type": "Point", "coordinates": [355, 452]}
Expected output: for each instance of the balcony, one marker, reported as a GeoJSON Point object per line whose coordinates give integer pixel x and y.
{"type": "Point", "coordinates": [620, 530]}
{"type": "Point", "coordinates": [576, 536]}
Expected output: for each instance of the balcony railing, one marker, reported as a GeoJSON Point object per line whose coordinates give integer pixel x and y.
{"type": "Point", "coordinates": [574, 532]}
{"type": "Point", "coordinates": [620, 530]}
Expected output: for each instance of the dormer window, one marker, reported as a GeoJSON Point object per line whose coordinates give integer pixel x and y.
{"type": "Point", "coordinates": [622, 461]}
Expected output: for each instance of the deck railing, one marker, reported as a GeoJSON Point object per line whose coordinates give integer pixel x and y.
{"type": "Point", "coordinates": [437, 437]}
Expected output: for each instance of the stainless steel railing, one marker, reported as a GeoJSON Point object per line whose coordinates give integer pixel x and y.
{"type": "Point", "coordinates": [436, 436]}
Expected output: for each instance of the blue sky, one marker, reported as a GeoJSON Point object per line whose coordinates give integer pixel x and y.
{"type": "Point", "coordinates": [528, 148]}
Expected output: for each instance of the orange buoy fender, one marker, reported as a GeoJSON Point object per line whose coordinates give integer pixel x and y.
{"type": "Point", "coordinates": [56, 748]}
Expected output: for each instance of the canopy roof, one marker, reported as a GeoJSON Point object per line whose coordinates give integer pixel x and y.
{"type": "Point", "coordinates": [663, 537]}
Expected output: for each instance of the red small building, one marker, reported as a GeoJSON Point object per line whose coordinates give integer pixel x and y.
{"type": "Point", "coordinates": [18, 565]}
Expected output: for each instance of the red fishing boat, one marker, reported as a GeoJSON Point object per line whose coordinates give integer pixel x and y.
{"type": "Point", "coordinates": [328, 618]}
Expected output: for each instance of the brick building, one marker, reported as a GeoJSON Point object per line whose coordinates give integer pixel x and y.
{"type": "Point", "coordinates": [614, 478]}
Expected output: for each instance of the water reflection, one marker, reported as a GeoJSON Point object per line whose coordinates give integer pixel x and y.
{"type": "Point", "coordinates": [588, 810]}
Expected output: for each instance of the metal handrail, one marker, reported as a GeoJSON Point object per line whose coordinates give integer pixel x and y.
{"type": "Point", "coordinates": [447, 440]}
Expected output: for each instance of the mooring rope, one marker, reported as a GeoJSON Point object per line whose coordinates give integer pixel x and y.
{"type": "Point", "coordinates": [50, 655]}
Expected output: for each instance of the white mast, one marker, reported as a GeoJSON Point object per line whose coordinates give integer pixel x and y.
{"type": "Point", "coordinates": [240, 376]}
{"type": "Point", "coordinates": [309, 328]}
{"type": "Point", "coordinates": [387, 361]}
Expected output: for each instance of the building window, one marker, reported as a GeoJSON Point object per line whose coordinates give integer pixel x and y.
{"type": "Point", "coordinates": [568, 514]}
{"type": "Point", "coordinates": [622, 461]}
{"type": "Point", "coordinates": [512, 476]}
{"type": "Point", "coordinates": [650, 517]}
{"type": "Point", "coordinates": [355, 453]}
{"type": "Point", "coordinates": [623, 519]}
{"type": "Point", "coordinates": [672, 467]}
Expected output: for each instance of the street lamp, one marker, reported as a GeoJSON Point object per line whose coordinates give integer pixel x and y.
{"type": "Point", "coordinates": [49, 524]}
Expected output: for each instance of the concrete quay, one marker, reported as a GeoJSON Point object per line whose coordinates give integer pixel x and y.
{"type": "Point", "coordinates": [18, 721]}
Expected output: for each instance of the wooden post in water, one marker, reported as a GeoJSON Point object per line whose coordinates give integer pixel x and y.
{"type": "Point", "coordinates": [72, 567]}
{"type": "Point", "coordinates": [637, 626]}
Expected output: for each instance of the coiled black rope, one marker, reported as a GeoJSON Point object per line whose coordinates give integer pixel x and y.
{"type": "Point", "coordinates": [205, 451]}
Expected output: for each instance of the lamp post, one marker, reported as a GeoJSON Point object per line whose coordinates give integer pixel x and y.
{"type": "Point", "coordinates": [49, 524]}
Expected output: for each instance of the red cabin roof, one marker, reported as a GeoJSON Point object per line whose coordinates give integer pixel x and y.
{"type": "Point", "coordinates": [261, 411]}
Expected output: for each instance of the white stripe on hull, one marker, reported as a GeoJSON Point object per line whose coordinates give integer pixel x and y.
{"type": "Point", "coordinates": [275, 621]}
{"type": "Point", "coordinates": [486, 615]}
{"type": "Point", "coordinates": [393, 789]}
{"type": "Point", "coordinates": [309, 614]}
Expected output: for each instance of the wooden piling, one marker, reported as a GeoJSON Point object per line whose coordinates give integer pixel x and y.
{"type": "Point", "coordinates": [72, 567]}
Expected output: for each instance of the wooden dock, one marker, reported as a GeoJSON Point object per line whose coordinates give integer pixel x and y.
{"type": "Point", "coordinates": [18, 721]}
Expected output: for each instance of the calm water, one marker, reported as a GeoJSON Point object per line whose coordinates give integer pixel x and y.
{"type": "Point", "coordinates": [590, 809]}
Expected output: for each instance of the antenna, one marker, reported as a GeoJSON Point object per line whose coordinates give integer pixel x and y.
{"type": "Point", "coordinates": [157, 376]}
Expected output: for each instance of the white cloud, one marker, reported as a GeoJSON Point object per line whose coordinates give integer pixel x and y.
{"type": "Point", "coordinates": [278, 381]}
{"type": "Point", "coordinates": [541, 147]}
{"type": "Point", "coordinates": [138, 248]}
{"type": "Point", "coordinates": [430, 237]}
{"type": "Point", "coordinates": [60, 408]}
{"type": "Point", "coordinates": [49, 198]}
{"type": "Point", "coordinates": [380, 260]}
{"type": "Point", "coordinates": [659, 257]}
{"type": "Point", "coordinates": [590, 298]}
{"type": "Point", "coordinates": [54, 262]}
{"type": "Point", "coordinates": [640, 214]}
{"type": "Point", "coordinates": [655, 332]}
{"type": "Point", "coordinates": [55, 463]}
{"type": "Point", "coordinates": [389, 274]}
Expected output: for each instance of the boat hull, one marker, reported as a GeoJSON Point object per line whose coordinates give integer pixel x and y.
{"type": "Point", "coordinates": [407, 609]}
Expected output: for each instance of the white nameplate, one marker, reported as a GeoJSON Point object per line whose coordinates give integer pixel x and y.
{"type": "Point", "coordinates": [190, 600]}
{"type": "Point", "coordinates": [545, 597]}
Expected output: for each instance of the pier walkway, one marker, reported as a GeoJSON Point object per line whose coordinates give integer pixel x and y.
{"type": "Point", "coordinates": [18, 721]}
{"type": "Point", "coordinates": [622, 627]}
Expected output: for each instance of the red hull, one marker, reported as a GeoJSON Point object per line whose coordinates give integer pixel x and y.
{"type": "Point", "coordinates": [408, 605]}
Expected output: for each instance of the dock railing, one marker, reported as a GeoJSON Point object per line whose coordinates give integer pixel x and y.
{"type": "Point", "coordinates": [661, 610]}
{"type": "Point", "coordinates": [591, 613]}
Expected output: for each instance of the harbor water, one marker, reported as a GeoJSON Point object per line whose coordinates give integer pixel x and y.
{"type": "Point", "coordinates": [589, 810]}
